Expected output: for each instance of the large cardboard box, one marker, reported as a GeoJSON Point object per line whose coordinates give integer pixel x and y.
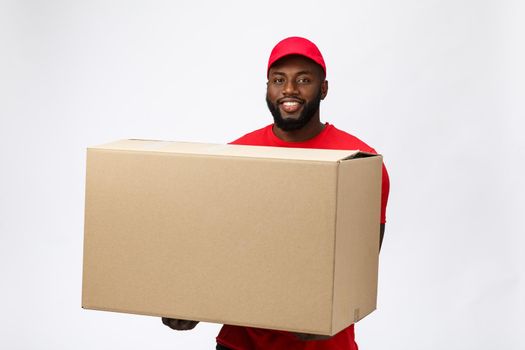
{"type": "Point", "coordinates": [278, 238]}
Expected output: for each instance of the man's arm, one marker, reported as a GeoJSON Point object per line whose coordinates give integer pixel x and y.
{"type": "Point", "coordinates": [306, 336]}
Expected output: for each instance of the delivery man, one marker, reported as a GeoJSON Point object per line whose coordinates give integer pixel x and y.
{"type": "Point", "coordinates": [296, 85]}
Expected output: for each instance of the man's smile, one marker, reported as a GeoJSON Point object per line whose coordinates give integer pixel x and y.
{"type": "Point", "coordinates": [290, 105]}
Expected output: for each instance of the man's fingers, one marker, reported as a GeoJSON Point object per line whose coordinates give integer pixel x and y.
{"type": "Point", "coordinates": [183, 324]}
{"type": "Point", "coordinates": [171, 322]}
{"type": "Point", "coordinates": [180, 325]}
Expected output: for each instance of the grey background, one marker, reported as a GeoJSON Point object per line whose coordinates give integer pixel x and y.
{"type": "Point", "coordinates": [436, 86]}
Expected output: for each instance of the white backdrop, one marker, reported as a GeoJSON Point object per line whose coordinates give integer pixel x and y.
{"type": "Point", "coordinates": [436, 86]}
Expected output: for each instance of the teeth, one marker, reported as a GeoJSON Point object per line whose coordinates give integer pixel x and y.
{"type": "Point", "coordinates": [290, 104]}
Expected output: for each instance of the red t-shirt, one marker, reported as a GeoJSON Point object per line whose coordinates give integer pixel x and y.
{"type": "Point", "coordinates": [248, 338]}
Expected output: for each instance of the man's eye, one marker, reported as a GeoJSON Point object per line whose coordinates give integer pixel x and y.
{"type": "Point", "coordinates": [278, 80]}
{"type": "Point", "coordinates": [303, 80]}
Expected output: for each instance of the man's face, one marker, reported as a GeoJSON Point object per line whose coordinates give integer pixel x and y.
{"type": "Point", "coordinates": [295, 88]}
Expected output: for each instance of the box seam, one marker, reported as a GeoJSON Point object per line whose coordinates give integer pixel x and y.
{"type": "Point", "coordinates": [335, 244]}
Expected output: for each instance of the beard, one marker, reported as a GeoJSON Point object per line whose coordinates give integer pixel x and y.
{"type": "Point", "coordinates": [290, 124]}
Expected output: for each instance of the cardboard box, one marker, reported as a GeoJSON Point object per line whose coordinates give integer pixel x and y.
{"type": "Point", "coordinates": [279, 238]}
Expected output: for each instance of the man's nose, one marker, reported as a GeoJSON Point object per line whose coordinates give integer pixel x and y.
{"type": "Point", "coordinates": [290, 88]}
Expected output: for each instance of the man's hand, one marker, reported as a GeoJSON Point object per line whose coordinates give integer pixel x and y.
{"type": "Point", "coordinates": [179, 325]}
{"type": "Point", "coordinates": [306, 336]}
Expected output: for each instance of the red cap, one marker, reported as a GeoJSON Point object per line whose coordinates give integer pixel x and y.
{"type": "Point", "coordinates": [296, 46]}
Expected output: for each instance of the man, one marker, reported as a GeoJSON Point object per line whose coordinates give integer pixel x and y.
{"type": "Point", "coordinates": [296, 85]}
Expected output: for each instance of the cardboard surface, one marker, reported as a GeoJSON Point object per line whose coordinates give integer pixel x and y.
{"type": "Point", "coordinates": [267, 237]}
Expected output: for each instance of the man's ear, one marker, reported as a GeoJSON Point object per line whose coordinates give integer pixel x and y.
{"type": "Point", "coordinates": [324, 89]}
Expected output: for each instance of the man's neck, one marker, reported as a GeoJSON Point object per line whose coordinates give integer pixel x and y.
{"type": "Point", "coordinates": [310, 130]}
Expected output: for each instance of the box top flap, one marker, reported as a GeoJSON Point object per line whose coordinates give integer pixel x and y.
{"type": "Point", "coordinates": [307, 154]}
